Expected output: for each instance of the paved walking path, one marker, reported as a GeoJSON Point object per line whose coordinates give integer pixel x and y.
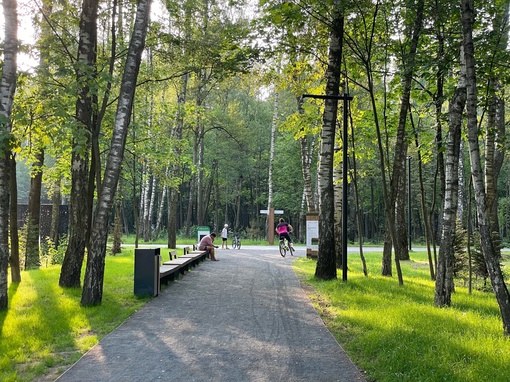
{"type": "Point", "coordinates": [243, 318]}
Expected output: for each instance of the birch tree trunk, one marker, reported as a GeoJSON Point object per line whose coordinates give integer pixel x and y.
{"type": "Point", "coordinates": [271, 160]}
{"type": "Point", "coordinates": [496, 129]}
{"type": "Point", "coordinates": [173, 194]}
{"type": "Point", "coordinates": [7, 90]}
{"type": "Point", "coordinates": [487, 245]}
{"type": "Point", "coordinates": [444, 275]}
{"type": "Point", "coordinates": [307, 145]}
{"type": "Point", "coordinates": [79, 209]}
{"type": "Point", "coordinates": [161, 206]}
{"type": "Point", "coordinates": [338, 211]}
{"type": "Point", "coordinates": [94, 275]}
{"type": "Point", "coordinates": [13, 224]}
{"type": "Point", "coordinates": [400, 151]}
{"type": "Point", "coordinates": [326, 262]}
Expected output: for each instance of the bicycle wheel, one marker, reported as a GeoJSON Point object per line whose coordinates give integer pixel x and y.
{"type": "Point", "coordinates": [282, 248]}
{"type": "Point", "coordinates": [238, 243]}
{"type": "Point", "coordinates": [234, 243]}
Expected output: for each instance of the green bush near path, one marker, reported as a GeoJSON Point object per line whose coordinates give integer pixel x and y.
{"type": "Point", "coordinates": [394, 333]}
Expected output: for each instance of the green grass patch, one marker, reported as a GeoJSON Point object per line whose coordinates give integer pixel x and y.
{"type": "Point", "coordinates": [394, 333]}
{"type": "Point", "coordinates": [45, 329]}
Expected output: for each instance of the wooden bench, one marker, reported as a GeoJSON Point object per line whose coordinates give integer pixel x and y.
{"type": "Point", "coordinates": [171, 269]}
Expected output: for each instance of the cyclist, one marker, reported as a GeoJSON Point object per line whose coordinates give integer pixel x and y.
{"type": "Point", "coordinates": [283, 229]}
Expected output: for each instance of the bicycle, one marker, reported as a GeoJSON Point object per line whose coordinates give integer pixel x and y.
{"type": "Point", "coordinates": [284, 247]}
{"type": "Point", "coordinates": [236, 241]}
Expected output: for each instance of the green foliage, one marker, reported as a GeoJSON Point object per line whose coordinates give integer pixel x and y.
{"type": "Point", "coordinates": [395, 333]}
{"type": "Point", "coordinates": [51, 253]}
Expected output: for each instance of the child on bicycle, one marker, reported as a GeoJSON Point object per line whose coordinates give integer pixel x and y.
{"type": "Point", "coordinates": [283, 229]}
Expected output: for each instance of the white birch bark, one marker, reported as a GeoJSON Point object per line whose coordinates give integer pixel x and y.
{"type": "Point", "coordinates": [274, 123]}
{"type": "Point", "coordinates": [94, 275]}
{"type": "Point", "coordinates": [7, 90]}
{"type": "Point", "coordinates": [487, 246]}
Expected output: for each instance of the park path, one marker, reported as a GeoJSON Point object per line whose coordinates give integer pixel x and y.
{"type": "Point", "coordinates": [243, 318]}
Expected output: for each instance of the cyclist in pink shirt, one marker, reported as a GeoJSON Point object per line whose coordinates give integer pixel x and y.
{"type": "Point", "coordinates": [283, 229]}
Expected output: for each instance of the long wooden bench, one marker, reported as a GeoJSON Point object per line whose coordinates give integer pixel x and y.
{"type": "Point", "coordinates": [171, 269]}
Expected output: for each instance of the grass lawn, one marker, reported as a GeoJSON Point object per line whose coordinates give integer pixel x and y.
{"type": "Point", "coordinates": [45, 328]}
{"type": "Point", "coordinates": [394, 333]}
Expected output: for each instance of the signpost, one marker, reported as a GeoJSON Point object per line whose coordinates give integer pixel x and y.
{"type": "Point", "coordinates": [270, 222]}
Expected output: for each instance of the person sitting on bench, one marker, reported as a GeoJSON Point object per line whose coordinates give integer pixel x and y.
{"type": "Point", "coordinates": [207, 244]}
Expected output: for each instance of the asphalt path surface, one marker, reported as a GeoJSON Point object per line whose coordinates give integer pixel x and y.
{"type": "Point", "coordinates": [243, 318]}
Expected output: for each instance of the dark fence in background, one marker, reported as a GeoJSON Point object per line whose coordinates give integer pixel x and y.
{"type": "Point", "coordinates": [45, 218]}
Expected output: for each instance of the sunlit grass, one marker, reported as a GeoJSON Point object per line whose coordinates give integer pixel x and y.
{"type": "Point", "coordinates": [45, 329]}
{"type": "Point", "coordinates": [395, 333]}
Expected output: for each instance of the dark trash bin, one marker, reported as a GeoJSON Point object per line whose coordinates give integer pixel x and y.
{"type": "Point", "coordinates": [147, 263]}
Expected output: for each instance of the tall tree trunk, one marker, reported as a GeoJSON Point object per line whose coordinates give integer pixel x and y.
{"type": "Point", "coordinates": [423, 206]}
{"type": "Point", "coordinates": [326, 262]}
{"type": "Point", "coordinates": [192, 186]}
{"type": "Point", "coordinates": [94, 275]}
{"type": "Point", "coordinates": [487, 246]}
{"type": "Point", "coordinates": [70, 274]}
{"type": "Point", "coordinates": [444, 276]}
{"type": "Point", "coordinates": [401, 243]}
{"type": "Point", "coordinates": [13, 224]}
{"type": "Point", "coordinates": [400, 150]}
{"type": "Point", "coordinates": [496, 125]}
{"type": "Point", "coordinates": [338, 211]}
{"type": "Point", "coordinates": [359, 211]}
{"type": "Point", "coordinates": [161, 207]}
{"type": "Point", "coordinates": [307, 145]}
{"type": "Point", "coordinates": [7, 90]}
{"type": "Point", "coordinates": [173, 197]}
{"type": "Point", "coordinates": [200, 175]}
{"type": "Point", "coordinates": [152, 202]}
{"type": "Point", "coordinates": [173, 193]}
{"type": "Point", "coordinates": [117, 227]}
{"type": "Point", "coordinates": [32, 256]}
{"type": "Point", "coordinates": [55, 213]}
{"type": "Point", "coordinates": [274, 122]}
{"type": "Point", "coordinates": [145, 200]}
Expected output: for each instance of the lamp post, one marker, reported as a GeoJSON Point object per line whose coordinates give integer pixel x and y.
{"type": "Point", "coordinates": [345, 98]}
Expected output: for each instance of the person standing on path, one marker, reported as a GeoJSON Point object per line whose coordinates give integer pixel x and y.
{"type": "Point", "coordinates": [224, 237]}
{"type": "Point", "coordinates": [207, 244]}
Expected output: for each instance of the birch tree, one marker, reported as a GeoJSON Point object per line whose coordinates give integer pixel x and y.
{"type": "Point", "coordinates": [326, 262]}
{"type": "Point", "coordinates": [487, 246]}
{"type": "Point", "coordinates": [444, 274]}
{"type": "Point", "coordinates": [7, 90]}
{"type": "Point", "coordinates": [70, 274]}
{"type": "Point", "coordinates": [94, 275]}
